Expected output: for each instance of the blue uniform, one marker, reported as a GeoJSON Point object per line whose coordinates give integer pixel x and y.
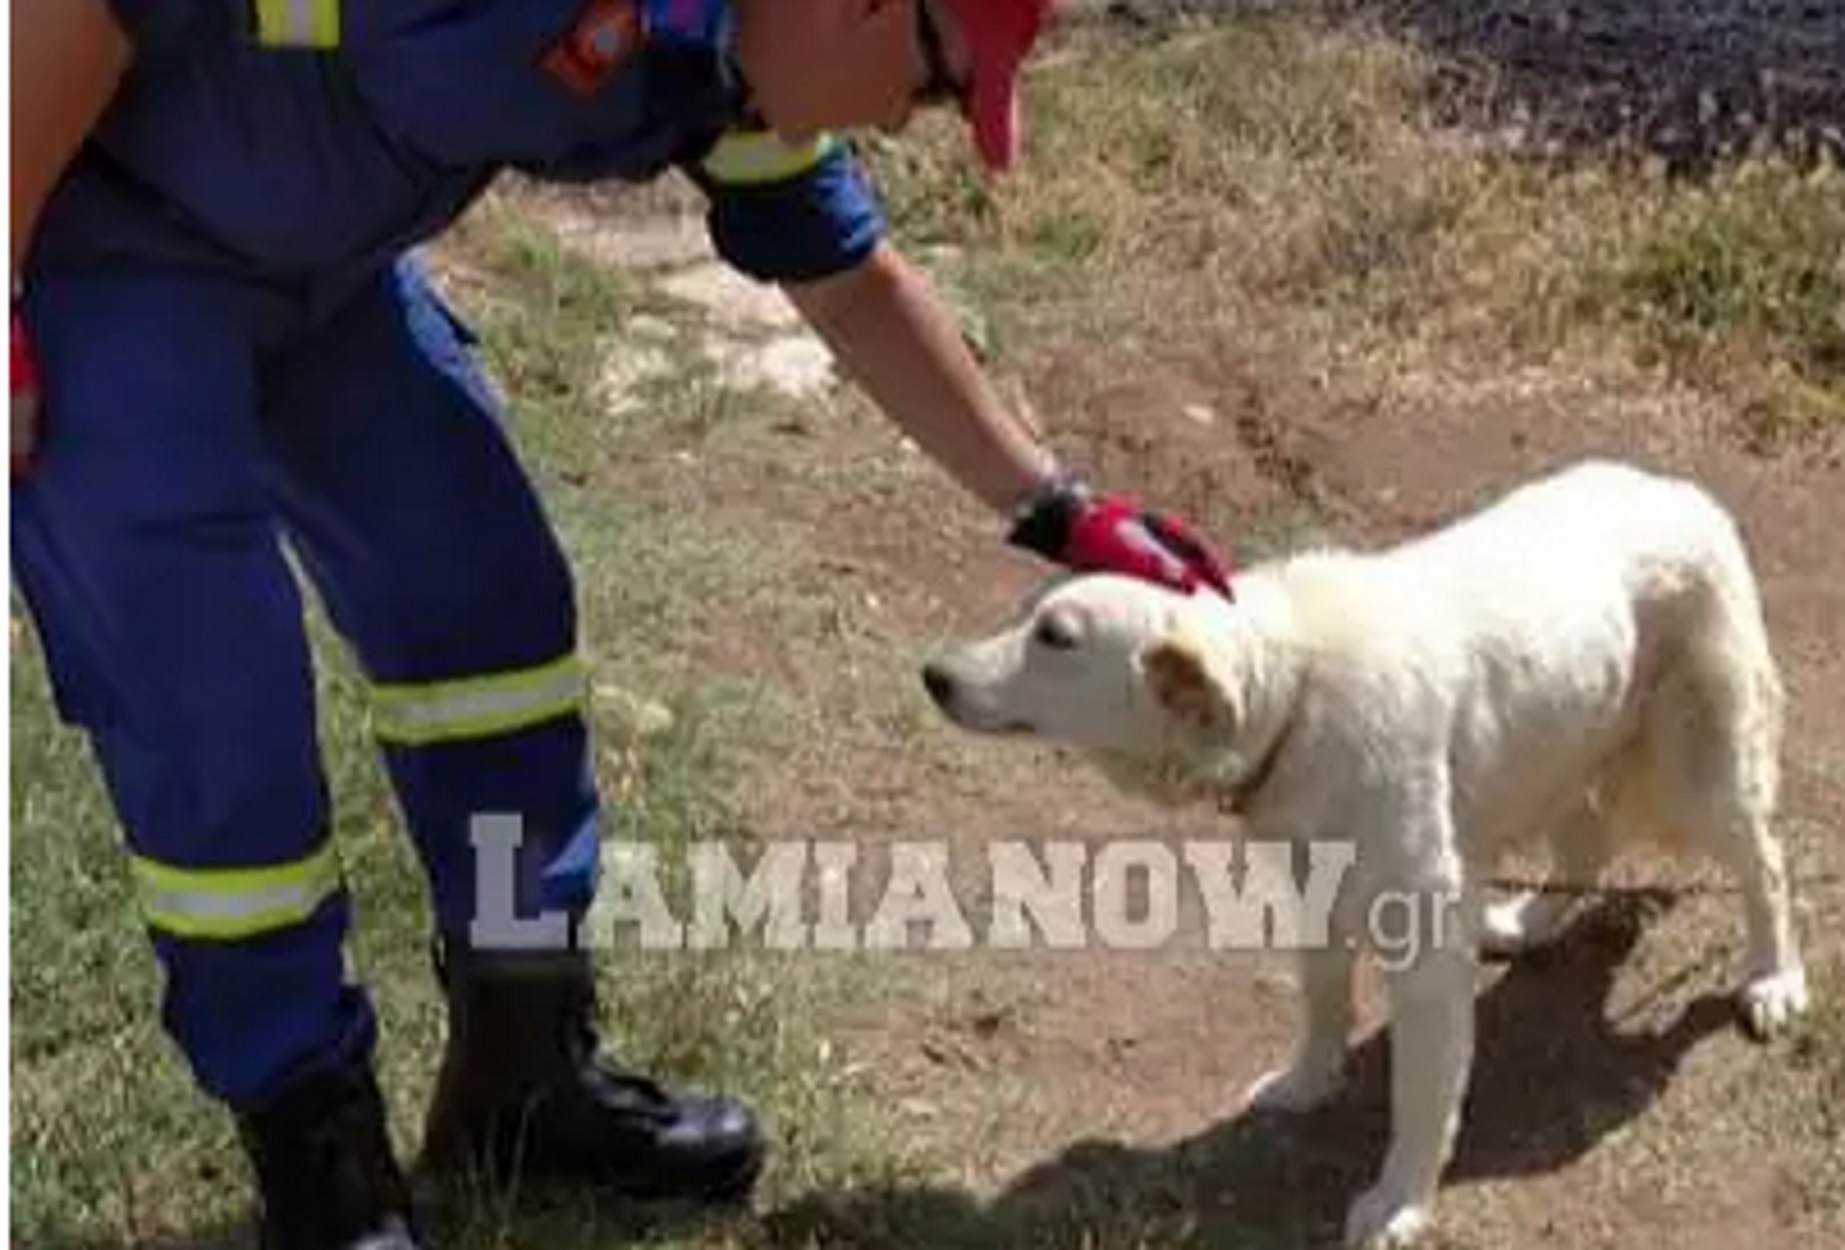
{"type": "Point", "coordinates": [238, 351]}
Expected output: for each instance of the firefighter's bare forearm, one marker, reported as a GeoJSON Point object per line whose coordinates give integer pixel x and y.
{"type": "Point", "coordinates": [902, 345]}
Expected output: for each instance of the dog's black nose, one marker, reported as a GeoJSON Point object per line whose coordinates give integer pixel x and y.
{"type": "Point", "coordinates": [941, 685]}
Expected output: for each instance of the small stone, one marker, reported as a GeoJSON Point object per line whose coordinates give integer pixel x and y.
{"type": "Point", "coordinates": [636, 716]}
{"type": "Point", "coordinates": [651, 243]}
{"type": "Point", "coordinates": [651, 329]}
{"type": "Point", "coordinates": [1277, 981]}
{"type": "Point", "coordinates": [626, 369]}
{"type": "Point", "coordinates": [799, 366]}
{"type": "Point", "coordinates": [732, 300]}
{"type": "Point", "coordinates": [987, 1023]}
{"type": "Point", "coordinates": [1200, 414]}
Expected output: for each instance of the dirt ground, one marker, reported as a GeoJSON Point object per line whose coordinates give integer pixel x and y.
{"type": "Point", "coordinates": [1092, 1097]}
{"type": "Point", "coordinates": [1147, 1055]}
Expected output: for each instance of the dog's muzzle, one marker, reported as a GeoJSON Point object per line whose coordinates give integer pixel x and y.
{"type": "Point", "coordinates": [940, 683]}
{"type": "Point", "coordinates": [951, 696]}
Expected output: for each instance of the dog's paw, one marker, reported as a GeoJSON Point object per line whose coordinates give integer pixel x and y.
{"type": "Point", "coordinates": [1771, 1003]}
{"type": "Point", "coordinates": [1383, 1219]}
{"type": "Point", "coordinates": [1295, 1089]}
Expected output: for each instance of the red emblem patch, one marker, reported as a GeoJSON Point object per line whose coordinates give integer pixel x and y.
{"type": "Point", "coordinates": [605, 34]}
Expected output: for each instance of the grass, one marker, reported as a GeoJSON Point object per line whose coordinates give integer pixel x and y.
{"type": "Point", "coordinates": [1290, 173]}
{"type": "Point", "coordinates": [1817, 1114]}
{"type": "Point", "coordinates": [1750, 267]}
{"type": "Point", "coordinates": [1749, 256]}
{"type": "Point", "coordinates": [1267, 181]}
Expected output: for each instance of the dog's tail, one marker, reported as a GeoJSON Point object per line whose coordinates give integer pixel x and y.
{"type": "Point", "coordinates": [1719, 708]}
{"type": "Point", "coordinates": [1729, 645]}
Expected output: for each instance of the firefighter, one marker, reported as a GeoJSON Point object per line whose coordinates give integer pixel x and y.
{"type": "Point", "coordinates": [223, 352]}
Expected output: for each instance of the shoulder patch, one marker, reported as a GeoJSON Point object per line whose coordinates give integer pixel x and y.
{"type": "Point", "coordinates": [604, 37]}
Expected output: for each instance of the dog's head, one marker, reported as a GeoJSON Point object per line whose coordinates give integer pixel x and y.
{"type": "Point", "coordinates": [1143, 680]}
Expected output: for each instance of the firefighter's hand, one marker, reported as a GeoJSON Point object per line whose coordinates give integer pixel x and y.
{"type": "Point", "coordinates": [1088, 532]}
{"type": "Point", "coordinates": [23, 377]}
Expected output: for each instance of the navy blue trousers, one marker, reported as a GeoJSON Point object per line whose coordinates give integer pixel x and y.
{"type": "Point", "coordinates": [198, 430]}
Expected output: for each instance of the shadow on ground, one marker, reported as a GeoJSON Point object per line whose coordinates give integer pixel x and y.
{"type": "Point", "coordinates": [454, 1220]}
{"type": "Point", "coordinates": [228, 1238]}
{"type": "Point", "coordinates": [1552, 1078]}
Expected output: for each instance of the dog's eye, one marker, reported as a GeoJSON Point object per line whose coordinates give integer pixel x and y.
{"type": "Point", "coordinates": [1055, 632]}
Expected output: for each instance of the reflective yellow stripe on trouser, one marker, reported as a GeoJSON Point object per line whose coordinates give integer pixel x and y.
{"type": "Point", "coordinates": [477, 707]}
{"type": "Point", "coordinates": [235, 902]}
{"type": "Point", "coordinates": [298, 23]}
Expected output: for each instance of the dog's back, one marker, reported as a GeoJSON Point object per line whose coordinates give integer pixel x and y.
{"type": "Point", "coordinates": [1677, 551]}
{"type": "Point", "coordinates": [1554, 545]}
{"type": "Point", "coordinates": [1546, 622]}
{"type": "Point", "coordinates": [1660, 534]}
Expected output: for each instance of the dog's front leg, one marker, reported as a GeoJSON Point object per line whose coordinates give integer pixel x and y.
{"type": "Point", "coordinates": [1318, 1067]}
{"type": "Point", "coordinates": [1431, 1051]}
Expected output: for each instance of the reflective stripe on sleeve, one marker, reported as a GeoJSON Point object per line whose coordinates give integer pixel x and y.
{"type": "Point", "coordinates": [746, 158]}
{"type": "Point", "coordinates": [298, 23]}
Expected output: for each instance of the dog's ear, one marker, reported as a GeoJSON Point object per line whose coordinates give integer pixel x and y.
{"type": "Point", "coordinates": [1179, 676]}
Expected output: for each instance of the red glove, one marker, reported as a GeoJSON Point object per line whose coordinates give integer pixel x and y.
{"type": "Point", "coordinates": [24, 380]}
{"type": "Point", "coordinates": [1067, 523]}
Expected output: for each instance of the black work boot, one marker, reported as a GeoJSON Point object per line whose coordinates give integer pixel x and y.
{"type": "Point", "coordinates": [324, 1167]}
{"type": "Point", "coordinates": [522, 1091]}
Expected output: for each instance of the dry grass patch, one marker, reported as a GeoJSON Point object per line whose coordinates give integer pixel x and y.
{"type": "Point", "coordinates": [1288, 180]}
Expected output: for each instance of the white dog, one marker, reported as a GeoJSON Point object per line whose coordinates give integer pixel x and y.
{"type": "Point", "coordinates": [1583, 662]}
